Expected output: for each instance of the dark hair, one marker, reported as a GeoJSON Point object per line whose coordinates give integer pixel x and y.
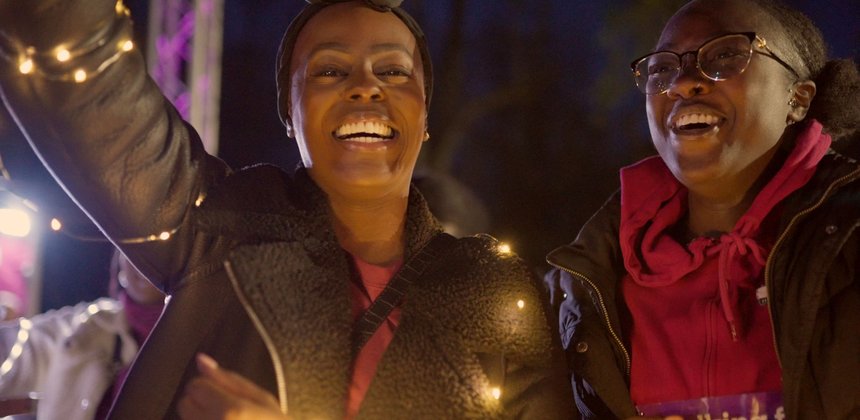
{"type": "Point", "coordinates": [837, 100]}
{"type": "Point", "coordinates": [285, 52]}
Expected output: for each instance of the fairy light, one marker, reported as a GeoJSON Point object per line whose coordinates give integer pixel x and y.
{"type": "Point", "coordinates": [26, 66]}
{"type": "Point", "coordinates": [496, 392]}
{"type": "Point", "coordinates": [29, 57]}
{"type": "Point", "coordinates": [521, 304]}
{"type": "Point", "coordinates": [24, 326]}
{"type": "Point", "coordinates": [56, 225]}
{"type": "Point", "coordinates": [80, 75]}
{"type": "Point", "coordinates": [504, 248]}
{"type": "Point", "coordinates": [164, 236]}
{"type": "Point", "coordinates": [63, 55]}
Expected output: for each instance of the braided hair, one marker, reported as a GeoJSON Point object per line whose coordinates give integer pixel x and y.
{"type": "Point", "coordinates": [837, 100]}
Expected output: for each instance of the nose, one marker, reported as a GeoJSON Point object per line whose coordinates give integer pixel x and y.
{"type": "Point", "coordinates": [690, 81]}
{"type": "Point", "coordinates": [365, 87]}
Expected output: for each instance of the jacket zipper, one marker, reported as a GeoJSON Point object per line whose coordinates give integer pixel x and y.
{"type": "Point", "coordinates": [767, 269]}
{"type": "Point", "coordinates": [267, 339]}
{"type": "Point", "coordinates": [605, 317]}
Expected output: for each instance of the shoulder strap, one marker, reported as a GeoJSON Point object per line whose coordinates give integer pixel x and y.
{"type": "Point", "coordinates": [397, 288]}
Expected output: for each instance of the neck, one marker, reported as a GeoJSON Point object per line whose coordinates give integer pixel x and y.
{"type": "Point", "coordinates": [718, 208]}
{"type": "Point", "coordinates": [707, 216]}
{"type": "Point", "coordinates": [371, 231]}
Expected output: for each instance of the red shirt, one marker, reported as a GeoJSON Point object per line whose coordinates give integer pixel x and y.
{"type": "Point", "coordinates": [698, 329]}
{"type": "Point", "coordinates": [373, 279]}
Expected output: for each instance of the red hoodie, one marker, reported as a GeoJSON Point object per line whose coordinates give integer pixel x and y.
{"type": "Point", "coordinates": [698, 328]}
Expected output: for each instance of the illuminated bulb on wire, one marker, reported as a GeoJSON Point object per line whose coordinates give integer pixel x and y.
{"type": "Point", "coordinates": [496, 392]}
{"type": "Point", "coordinates": [26, 66]}
{"type": "Point", "coordinates": [504, 248]}
{"type": "Point", "coordinates": [56, 225]}
{"type": "Point", "coordinates": [80, 76]}
{"type": "Point", "coordinates": [63, 55]}
{"type": "Point", "coordinates": [521, 304]}
{"type": "Point", "coordinates": [127, 45]}
{"type": "Point", "coordinates": [164, 236]}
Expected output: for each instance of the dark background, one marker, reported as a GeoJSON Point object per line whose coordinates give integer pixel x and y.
{"type": "Point", "coordinates": [534, 110]}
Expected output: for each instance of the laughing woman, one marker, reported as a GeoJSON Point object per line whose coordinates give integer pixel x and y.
{"type": "Point", "coordinates": [724, 275]}
{"type": "Point", "coordinates": [294, 282]}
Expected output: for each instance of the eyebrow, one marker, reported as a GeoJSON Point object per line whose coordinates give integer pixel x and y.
{"type": "Point", "coordinates": [340, 47]}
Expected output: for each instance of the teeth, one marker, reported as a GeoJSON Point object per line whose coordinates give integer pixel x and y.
{"type": "Point", "coordinates": [367, 139]}
{"type": "Point", "coordinates": [365, 127]}
{"type": "Point", "coordinates": [687, 119]}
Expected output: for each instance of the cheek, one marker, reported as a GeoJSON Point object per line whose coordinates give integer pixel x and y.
{"type": "Point", "coordinates": [656, 124]}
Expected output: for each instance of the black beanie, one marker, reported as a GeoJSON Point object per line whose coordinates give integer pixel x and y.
{"type": "Point", "coordinates": [285, 52]}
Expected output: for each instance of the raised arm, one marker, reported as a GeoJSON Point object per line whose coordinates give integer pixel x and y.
{"type": "Point", "coordinates": [78, 88]}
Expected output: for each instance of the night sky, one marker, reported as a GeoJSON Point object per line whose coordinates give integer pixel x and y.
{"type": "Point", "coordinates": [534, 111]}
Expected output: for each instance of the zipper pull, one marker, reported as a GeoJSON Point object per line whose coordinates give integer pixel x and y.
{"type": "Point", "coordinates": [761, 295]}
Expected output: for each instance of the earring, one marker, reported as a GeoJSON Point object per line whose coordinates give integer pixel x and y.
{"type": "Point", "coordinates": [290, 133]}
{"type": "Point", "coordinates": [793, 103]}
{"type": "Point", "coordinates": [426, 136]}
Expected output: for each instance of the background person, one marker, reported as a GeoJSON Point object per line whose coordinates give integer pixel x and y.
{"type": "Point", "coordinates": [724, 275]}
{"type": "Point", "coordinates": [73, 359]}
{"type": "Point", "coordinates": [268, 271]}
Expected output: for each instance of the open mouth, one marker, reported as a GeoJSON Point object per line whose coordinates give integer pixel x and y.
{"type": "Point", "coordinates": [365, 132]}
{"type": "Point", "coordinates": [695, 122]}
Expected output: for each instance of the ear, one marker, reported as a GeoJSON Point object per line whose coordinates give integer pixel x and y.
{"type": "Point", "coordinates": [801, 99]}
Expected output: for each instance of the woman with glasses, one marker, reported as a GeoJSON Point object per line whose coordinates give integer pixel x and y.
{"type": "Point", "coordinates": [328, 293]}
{"type": "Point", "coordinates": [722, 279]}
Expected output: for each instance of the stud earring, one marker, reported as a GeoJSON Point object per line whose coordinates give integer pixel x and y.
{"type": "Point", "coordinates": [290, 131]}
{"type": "Point", "coordinates": [426, 136]}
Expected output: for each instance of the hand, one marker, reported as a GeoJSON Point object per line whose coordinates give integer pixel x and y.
{"type": "Point", "coordinates": [221, 394]}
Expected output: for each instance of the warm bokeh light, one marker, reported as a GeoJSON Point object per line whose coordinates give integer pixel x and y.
{"type": "Point", "coordinates": [26, 66]}
{"type": "Point", "coordinates": [521, 304]}
{"type": "Point", "coordinates": [63, 55]}
{"type": "Point", "coordinates": [80, 76]}
{"type": "Point", "coordinates": [56, 225]}
{"type": "Point", "coordinates": [504, 248]}
{"type": "Point", "coordinates": [14, 222]}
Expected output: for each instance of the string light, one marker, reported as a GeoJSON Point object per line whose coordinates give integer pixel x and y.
{"type": "Point", "coordinates": [504, 248]}
{"type": "Point", "coordinates": [496, 392]}
{"type": "Point", "coordinates": [24, 326]}
{"type": "Point", "coordinates": [26, 66]}
{"type": "Point", "coordinates": [63, 55]}
{"type": "Point", "coordinates": [31, 61]}
{"type": "Point", "coordinates": [80, 75]}
{"type": "Point", "coordinates": [521, 304]}
{"type": "Point", "coordinates": [57, 226]}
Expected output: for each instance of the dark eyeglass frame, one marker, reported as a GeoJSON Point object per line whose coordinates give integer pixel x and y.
{"type": "Point", "coordinates": [755, 47]}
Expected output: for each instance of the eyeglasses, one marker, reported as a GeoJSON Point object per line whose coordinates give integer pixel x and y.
{"type": "Point", "coordinates": [718, 59]}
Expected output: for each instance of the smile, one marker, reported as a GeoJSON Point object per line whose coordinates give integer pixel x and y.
{"type": "Point", "coordinates": [694, 123]}
{"type": "Point", "coordinates": [365, 132]}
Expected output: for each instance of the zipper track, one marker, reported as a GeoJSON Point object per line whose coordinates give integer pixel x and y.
{"type": "Point", "coordinates": [605, 317]}
{"type": "Point", "coordinates": [267, 339]}
{"type": "Point", "coordinates": [769, 265]}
